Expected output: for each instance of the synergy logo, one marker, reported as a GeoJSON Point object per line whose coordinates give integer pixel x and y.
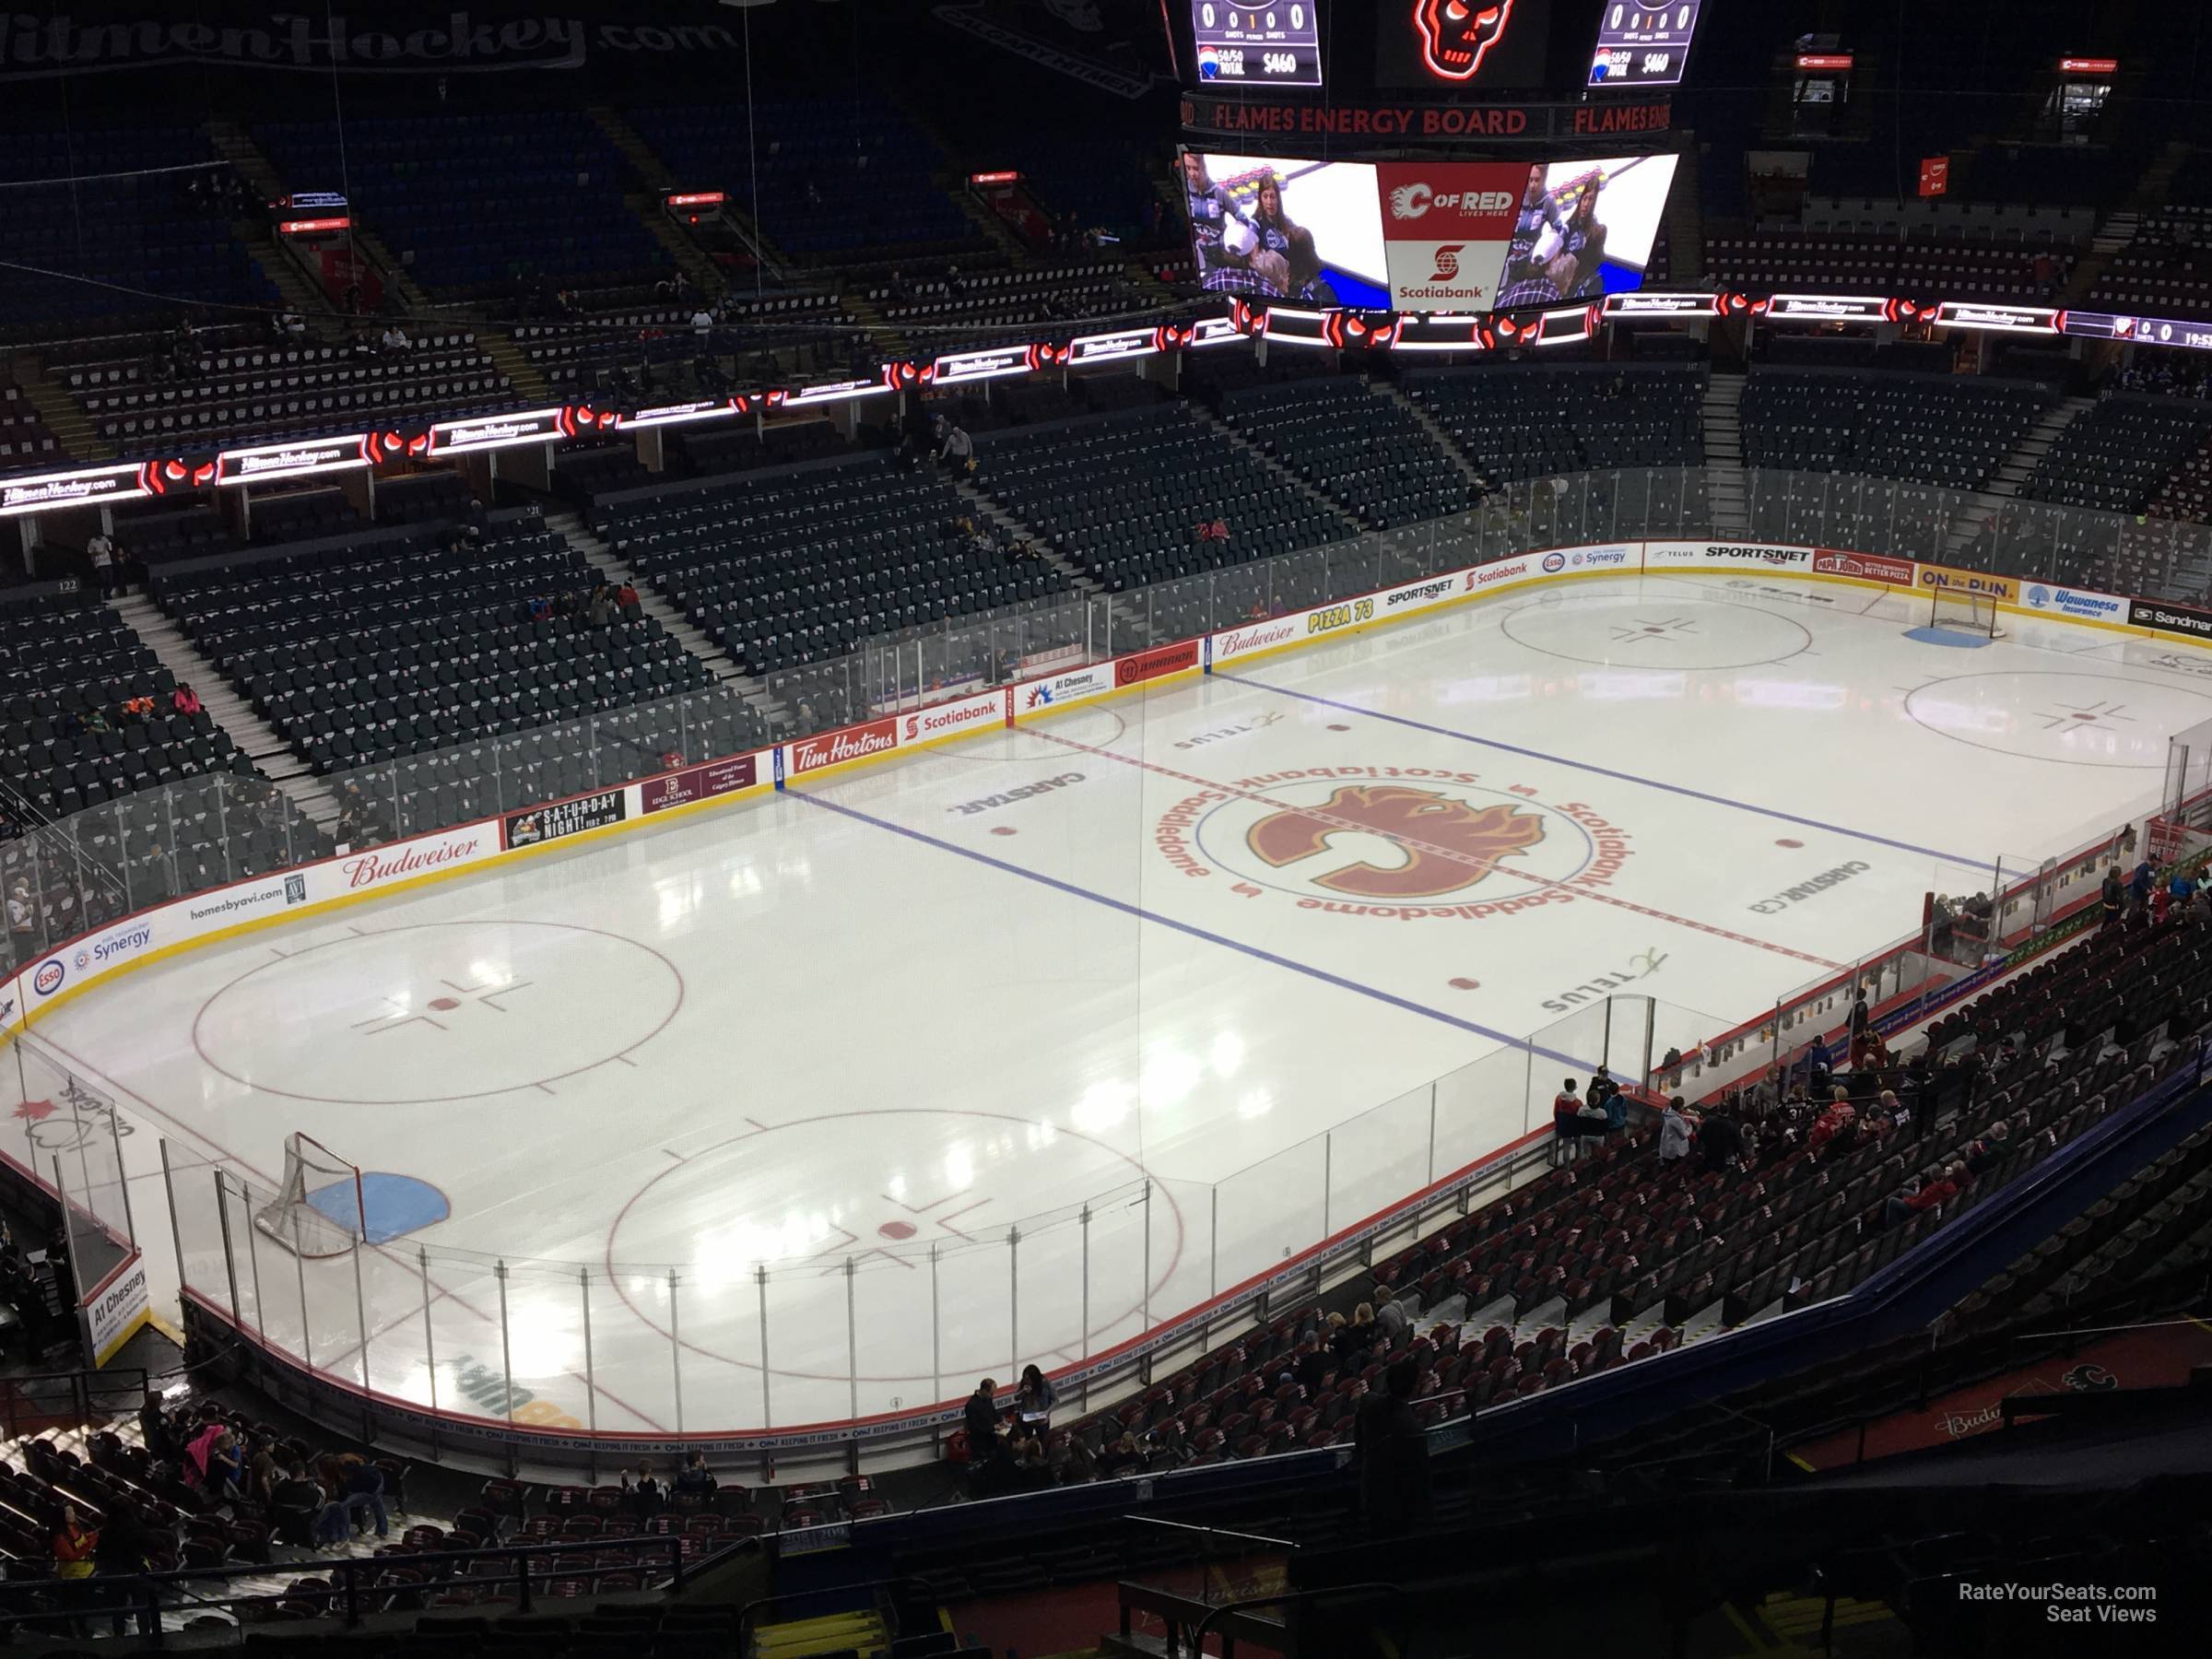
{"type": "Point", "coordinates": [48, 980]}
{"type": "Point", "coordinates": [115, 945]}
{"type": "Point", "coordinates": [1456, 35]}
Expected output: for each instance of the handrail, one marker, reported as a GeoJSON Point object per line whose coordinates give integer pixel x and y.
{"type": "Point", "coordinates": [140, 1593]}
{"type": "Point", "coordinates": [1290, 1598]}
{"type": "Point", "coordinates": [744, 1613]}
{"type": "Point", "coordinates": [81, 1388]}
{"type": "Point", "coordinates": [1210, 1532]}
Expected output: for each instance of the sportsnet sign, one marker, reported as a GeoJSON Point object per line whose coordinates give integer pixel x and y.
{"type": "Point", "coordinates": [1731, 555]}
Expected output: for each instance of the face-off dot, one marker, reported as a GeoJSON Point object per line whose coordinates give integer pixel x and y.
{"type": "Point", "coordinates": [445, 1005]}
{"type": "Point", "coordinates": [1786, 841]}
{"type": "Point", "coordinates": [896, 1229]}
{"type": "Point", "coordinates": [1337, 727]}
{"type": "Point", "coordinates": [1466, 984]}
{"type": "Point", "coordinates": [1002, 830]}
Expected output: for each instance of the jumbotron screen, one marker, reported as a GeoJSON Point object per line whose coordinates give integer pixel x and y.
{"type": "Point", "coordinates": [1276, 43]}
{"type": "Point", "coordinates": [1643, 46]}
{"type": "Point", "coordinates": [1586, 228]}
{"type": "Point", "coordinates": [1424, 236]}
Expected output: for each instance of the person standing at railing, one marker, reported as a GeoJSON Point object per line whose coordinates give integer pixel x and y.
{"type": "Point", "coordinates": [1392, 1453]}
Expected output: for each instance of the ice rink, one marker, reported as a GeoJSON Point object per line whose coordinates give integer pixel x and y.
{"type": "Point", "coordinates": [999, 1051]}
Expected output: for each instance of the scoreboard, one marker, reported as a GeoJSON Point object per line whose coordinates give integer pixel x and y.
{"type": "Point", "coordinates": [1275, 43]}
{"type": "Point", "coordinates": [1643, 46]}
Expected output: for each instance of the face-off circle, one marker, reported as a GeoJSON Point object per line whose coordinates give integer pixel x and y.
{"type": "Point", "coordinates": [1656, 629]}
{"type": "Point", "coordinates": [896, 1194]}
{"type": "Point", "coordinates": [1392, 841]}
{"type": "Point", "coordinates": [441, 1011]}
{"type": "Point", "coordinates": [2100, 719]}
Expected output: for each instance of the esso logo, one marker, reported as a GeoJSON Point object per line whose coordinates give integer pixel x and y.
{"type": "Point", "coordinates": [48, 980]}
{"type": "Point", "coordinates": [1555, 562]}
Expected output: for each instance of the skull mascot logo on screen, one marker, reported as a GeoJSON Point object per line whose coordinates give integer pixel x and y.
{"type": "Point", "coordinates": [1449, 844]}
{"type": "Point", "coordinates": [1456, 36]}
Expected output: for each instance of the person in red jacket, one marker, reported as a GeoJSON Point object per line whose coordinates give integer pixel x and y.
{"type": "Point", "coordinates": [1946, 1186]}
{"type": "Point", "coordinates": [1566, 1127]}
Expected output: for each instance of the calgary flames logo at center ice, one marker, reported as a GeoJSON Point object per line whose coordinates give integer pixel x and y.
{"type": "Point", "coordinates": [1449, 844]}
{"type": "Point", "coordinates": [1456, 34]}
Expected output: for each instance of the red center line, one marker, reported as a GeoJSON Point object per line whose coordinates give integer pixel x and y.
{"type": "Point", "coordinates": [1446, 852]}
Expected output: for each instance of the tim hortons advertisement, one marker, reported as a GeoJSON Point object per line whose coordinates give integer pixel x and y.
{"type": "Point", "coordinates": [835, 749]}
{"type": "Point", "coordinates": [948, 720]}
{"type": "Point", "coordinates": [1867, 567]}
{"type": "Point", "coordinates": [699, 782]}
{"type": "Point", "coordinates": [564, 819]}
{"type": "Point", "coordinates": [2166, 618]}
{"type": "Point", "coordinates": [1732, 555]}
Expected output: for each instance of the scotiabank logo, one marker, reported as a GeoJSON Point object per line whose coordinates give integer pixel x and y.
{"type": "Point", "coordinates": [369, 868]}
{"type": "Point", "coordinates": [854, 743]}
{"type": "Point", "coordinates": [1447, 262]}
{"type": "Point", "coordinates": [935, 723]}
{"type": "Point", "coordinates": [1505, 569]}
{"type": "Point", "coordinates": [1151, 664]}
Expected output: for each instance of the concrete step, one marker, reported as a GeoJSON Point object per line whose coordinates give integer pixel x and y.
{"type": "Point", "coordinates": [1427, 424]}
{"type": "Point", "coordinates": [570, 527]}
{"type": "Point", "coordinates": [263, 746]}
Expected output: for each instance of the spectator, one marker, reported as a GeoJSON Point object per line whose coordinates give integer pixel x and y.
{"type": "Point", "coordinates": [541, 608]}
{"type": "Point", "coordinates": [1391, 1316]}
{"type": "Point", "coordinates": [1033, 1401]}
{"type": "Point", "coordinates": [358, 1485]}
{"type": "Point", "coordinates": [1123, 1457]}
{"type": "Point", "coordinates": [2182, 888]}
{"type": "Point", "coordinates": [1566, 1123]}
{"type": "Point", "coordinates": [260, 1469]}
{"type": "Point", "coordinates": [138, 708]}
{"type": "Point", "coordinates": [1674, 1132]}
{"type": "Point", "coordinates": [393, 340]}
{"type": "Point", "coordinates": [980, 1417]}
{"type": "Point", "coordinates": [1860, 1015]}
{"type": "Point", "coordinates": [601, 611]}
{"type": "Point", "coordinates": [1925, 1195]}
{"type": "Point", "coordinates": [955, 450]}
{"type": "Point", "coordinates": [2138, 887]}
{"type": "Point", "coordinates": [625, 597]}
{"type": "Point", "coordinates": [1356, 1338]}
{"type": "Point", "coordinates": [1720, 1140]}
{"type": "Point", "coordinates": [153, 1421]}
{"type": "Point", "coordinates": [1991, 1150]}
{"type": "Point", "coordinates": [2161, 906]}
{"type": "Point", "coordinates": [1392, 1453]}
{"type": "Point", "coordinates": [1600, 1088]}
{"type": "Point", "coordinates": [296, 1506]}
{"type": "Point", "coordinates": [212, 1462]}
{"type": "Point", "coordinates": [643, 1496]}
{"type": "Point", "coordinates": [185, 699]}
{"type": "Point", "coordinates": [1316, 1363]}
{"type": "Point", "coordinates": [695, 1479]}
{"type": "Point", "coordinates": [100, 552]}
{"type": "Point", "coordinates": [73, 1545]}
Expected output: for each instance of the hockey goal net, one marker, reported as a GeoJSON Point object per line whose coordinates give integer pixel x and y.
{"type": "Point", "coordinates": [1957, 610]}
{"type": "Point", "coordinates": [318, 1210]}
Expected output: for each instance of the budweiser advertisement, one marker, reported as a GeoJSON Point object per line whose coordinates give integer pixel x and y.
{"type": "Point", "coordinates": [1446, 227]}
{"type": "Point", "coordinates": [835, 749]}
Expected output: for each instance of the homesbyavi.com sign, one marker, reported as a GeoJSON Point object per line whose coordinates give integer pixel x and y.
{"type": "Point", "coordinates": [352, 39]}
